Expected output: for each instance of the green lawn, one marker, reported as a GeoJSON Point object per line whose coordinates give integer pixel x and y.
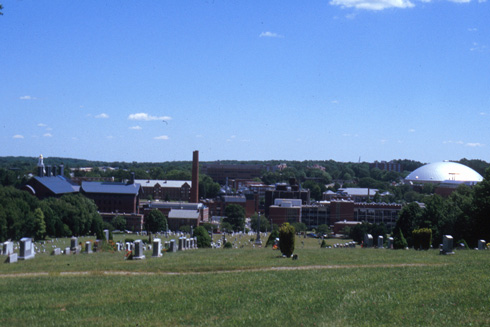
{"type": "Point", "coordinates": [250, 287]}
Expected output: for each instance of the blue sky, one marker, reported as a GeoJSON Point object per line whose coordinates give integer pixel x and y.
{"type": "Point", "coordinates": [246, 80]}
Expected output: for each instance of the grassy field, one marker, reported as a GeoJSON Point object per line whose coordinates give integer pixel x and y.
{"type": "Point", "coordinates": [250, 287]}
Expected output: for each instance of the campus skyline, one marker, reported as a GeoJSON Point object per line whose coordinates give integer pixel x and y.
{"type": "Point", "coordinates": [340, 80]}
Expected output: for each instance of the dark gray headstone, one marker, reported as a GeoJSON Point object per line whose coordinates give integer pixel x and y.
{"type": "Point", "coordinates": [390, 242]}
{"type": "Point", "coordinates": [172, 247]}
{"type": "Point", "coordinates": [73, 244]}
{"type": "Point", "coordinates": [138, 250]}
{"type": "Point", "coordinates": [88, 247]}
{"type": "Point", "coordinates": [482, 245]}
{"type": "Point", "coordinates": [157, 247]}
{"type": "Point", "coordinates": [26, 249]}
{"type": "Point", "coordinates": [368, 241]}
{"type": "Point", "coordinates": [380, 242]}
{"type": "Point", "coordinates": [447, 244]}
{"type": "Point", "coordinates": [8, 248]}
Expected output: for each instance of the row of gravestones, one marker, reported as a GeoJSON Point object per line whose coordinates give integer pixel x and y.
{"type": "Point", "coordinates": [446, 248]}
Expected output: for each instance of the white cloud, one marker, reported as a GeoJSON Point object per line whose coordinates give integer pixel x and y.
{"type": "Point", "coordinates": [475, 145]}
{"type": "Point", "coordinates": [483, 113]}
{"type": "Point", "coordinates": [48, 135]}
{"type": "Point", "coordinates": [147, 117]}
{"type": "Point", "coordinates": [460, 1]}
{"type": "Point", "coordinates": [472, 29]}
{"type": "Point", "coordinates": [411, 130]}
{"type": "Point", "coordinates": [137, 128]}
{"type": "Point", "coordinates": [270, 34]}
{"type": "Point", "coordinates": [453, 142]}
{"type": "Point", "coordinates": [334, 101]}
{"type": "Point", "coordinates": [42, 125]}
{"type": "Point", "coordinates": [27, 97]}
{"type": "Point", "coordinates": [372, 4]}
{"type": "Point", "coordinates": [199, 136]}
{"type": "Point", "coordinates": [18, 136]}
{"type": "Point", "coordinates": [109, 137]}
{"type": "Point", "coordinates": [102, 115]}
{"type": "Point", "coordinates": [162, 137]}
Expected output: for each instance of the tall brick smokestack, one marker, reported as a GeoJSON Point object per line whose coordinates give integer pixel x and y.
{"type": "Point", "coordinates": [195, 178]}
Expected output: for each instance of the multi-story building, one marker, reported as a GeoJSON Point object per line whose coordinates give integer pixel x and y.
{"type": "Point", "coordinates": [166, 190]}
{"type": "Point", "coordinates": [285, 211]}
{"type": "Point", "coordinates": [388, 166]}
{"type": "Point", "coordinates": [220, 173]}
{"type": "Point", "coordinates": [284, 191]}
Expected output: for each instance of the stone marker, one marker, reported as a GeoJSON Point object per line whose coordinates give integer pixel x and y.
{"type": "Point", "coordinates": [118, 247]}
{"type": "Point", "coordinates": [88, 247]}
{"type": "Point", "coordinates": [8, 248]}
{"type": "Point", "coordinates": [187, 243]}
{"type": "Point", "coordinates": [106, 234]}
{"type": "Point", "coordinates": [138, 250]}
{"type": "Point", "coordinates": [172, 247]}
{"type": "Point", "coordinates": [368, 241]}
{"type": "Point", "coordinates": [482, 245]}
{"type": "Point", "coordinates": [157, 247]}
{"type": "Point", "coordinates": [195, 242]}
{"type": "Point", "coordinates": [56, 251]}
{"type": "Point", "coordinates": [447, 245]}
{"type": "Point", "coordinates": [26, 250]}
{"type": "Point", "coordinates": [11, 258]}
{"type": "Point", "coordinates": [74, 245]}
{"type": "Point", "coordinates": [128, 246]}
{"type": "Point", "coordinates": [391, 240]}
{"type": "Point", "coordinates": [181, 244]}
{"type": "Point", "coordinates": [67, 250]}
{"type": "Point", "coordinates": [380, 242]}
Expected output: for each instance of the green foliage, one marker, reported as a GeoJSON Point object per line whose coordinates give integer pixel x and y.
{"type": "Point", "coordinates": [399, 241]}
{"type": "Point", "coordinates": [264, 223]}
{"type": "Point", "coordinates": [299, 227]}
{"type": "Point", "coordinates": [422, 238]}
{"type": "Point", "coordinates": [226, 227]}
{"type": "Point", "coordinates": [358, 231]}
{"type": "Point", "coordinates": [286, 239]}
{"type": "Point", "coordinates": [39, 224]}
{"type": "Point", "coordinates": [119, 222]}
{"type": "Point", "coordinates": [322, 230]}
{"type": "Point", "coordinates": [235, 216]}
{"type": "Point", "coordinates": [272, 237]}
{"type": "Point", "coordinates": [228, 245]}
{"type": "Point", "coordinates": [203, 238]}
{"type": "Point", "coordinates": [324, 244]}
{"type": "Point", "coordinates": [155, 221]}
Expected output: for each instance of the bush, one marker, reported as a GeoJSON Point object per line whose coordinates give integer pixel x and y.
{"type": "Point", "coordinates": [203, 238]}
{"type": "Point", "coordinates": [422, 238]}
{"type": "Point", "coordinates": [272, 238]}
{"type": "Point", "coordinates": [228, 245]}
{"type": "Point", "coordinates": [324, 244]}
{"type": "Point", "coordinates": [286, 239]}
{"type": "Point", "coordinates": [399, 241]}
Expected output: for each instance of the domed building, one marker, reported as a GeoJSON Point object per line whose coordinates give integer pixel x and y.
{"type": "Point", "coordinates": [448, 175]}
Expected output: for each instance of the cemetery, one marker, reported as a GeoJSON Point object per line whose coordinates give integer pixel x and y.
{"type": "Point", "coordinates": [170, 281]}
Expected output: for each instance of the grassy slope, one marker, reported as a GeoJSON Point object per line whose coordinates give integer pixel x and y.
{"type": "Point", "coordinates": [369, 288]}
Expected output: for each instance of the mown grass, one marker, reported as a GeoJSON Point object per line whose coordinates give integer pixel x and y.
{"type": "Point", "coordinates": [341, 287]}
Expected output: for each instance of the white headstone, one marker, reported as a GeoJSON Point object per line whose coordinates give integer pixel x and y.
{"type": "Point", "coordinates": [106, 234]}
{"type": "Point", "coordinates": [67, 250]}
{"type": "Point", "coordinates": [57, 251]}
{"type": "Point", "coordinates": [157, 247]}
{"type": "Point", "coordinates": [390, 242]}
{"type": "Point", "coordinates": [8, 248]}
{"type": "Point", "coordinates": [138, 250]}
{"type": "Point", "coordinates": [12, 258]}
{"type": "Point", "coordinates": [172, 246]}
{"type": "Point", "coordinates": [380, 242]}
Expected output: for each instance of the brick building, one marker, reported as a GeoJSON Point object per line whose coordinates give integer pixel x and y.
{"type": "Point", "coordinates": [165, 189]}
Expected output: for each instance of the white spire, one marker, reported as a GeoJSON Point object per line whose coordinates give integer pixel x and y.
{"type": "Point", "coordinates": [40, 162]}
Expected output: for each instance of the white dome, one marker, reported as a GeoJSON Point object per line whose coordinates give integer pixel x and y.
{"type": "Point", "coordinates": [444, 171]}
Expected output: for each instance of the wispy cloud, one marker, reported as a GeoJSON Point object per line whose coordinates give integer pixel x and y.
{"type": "Point", "coordinates": [147, 117]}
{"type": "Point", "coordinates": [472, 29]}
{"type": "Point", "coordinates": [162, 137]}
{"type": "Point", "coordinates": [48, 135]}
{"type": "Point", "coordinates": [475, 145]}
{"type": "Point", "coordinates": [27, 97]}
{"type": "Point", "coordinates": [136, 128]}
{"type": "Point", "coordinates": [411, 130]}
{"type": "Point", "coordinates": [18, 136]}
{"type": "Point", "coordinates": [42, 125]}
{"type": "Point", "coordinates": [483, 113]}
{"type": "Point", "coordinates": [453, 142]}
{"type": "Point", "coordinates": [102, 115]}
{"type": "Point", "coordinates": [372, 4]}
{"type": "Point", "coordinates": [478, 47]}
{"type": "Point", "coordinates": [270, 34]}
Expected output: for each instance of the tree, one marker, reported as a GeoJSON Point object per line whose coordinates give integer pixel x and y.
{"type": "Point", "coordinates": [264, 223]}
{"type": "Point", "coordinates": [399, 241]}
{"type": "Point", "coordinates": [286, 239]}
{"type": "Point", "coordinates": [235, 216]}
{"type": "Point", "coordinates": [408, 220]}
{"type": "Point", "coordinates": [155, 221]}
{"type": "Point", "coordinates": [119, 222]}
{"type": "Point", "coordinates": [39, 224]}
{"type": "Point", "coordinates": [299, 227]}
{"type": "Point", "coordinates": [203, 238]}
{"type": "Point", "coordinates": [322, 230]}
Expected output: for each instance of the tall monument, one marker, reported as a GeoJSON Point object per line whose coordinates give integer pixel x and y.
{"type": "Point", "coordinates": [195, 178]}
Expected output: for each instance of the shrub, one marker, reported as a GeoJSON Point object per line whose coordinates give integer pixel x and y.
{"type": "Point", "coordinates": [228, 245]}
{"type": "Point", "coordinates": [324, 244]}
{"type": "Point", "coordinates": [422, 238]}
{"type": "Point", "coordinates": [272, 238]}
{"type": "Point", "coordinates": [203, 238]}
{"type": "Point", "coordinates": [399, 241]}
{"type": "Point", "coordinates": [286, 239]}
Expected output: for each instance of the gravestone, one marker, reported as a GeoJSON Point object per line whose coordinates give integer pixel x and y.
{"type": "Point", "coordinates": [380, 242]}
{"type": "Point", "coordinates": [74, 244]}
{"type": "Point", "coordinates": [157, 247]}
{"type": "Point", "coordinates": [138, 250]}
{"type": "Point", "coordinates": [187, 243]}
{"type": "Point", "coordinates": [67, 250]}
{"type": "Point", "coordinates": [88, 247]}
{"type": "Point", "coordinates": [128, 246]}
{"type": "Point", "coordinates": [195, 242]}
{"type": "Point", "coordinates": [56, 251]}
{"type": "Point", "coordinates": [447, 245]}
{"type": "Point", "coordinates": [481, 245]}
{"type": "Point", "coordinates": [390, 242]}
{"type": "Point", "coordinates": [118, 245]}
{"type": "Point", "coordinates": [26, 250]}
{"type": "Point", "coordinates": [181, 244]}
{"type": "Point", "coordinates": [11, 258]}
{"type": "Point", "coordinates": [368, 241]}
{"type": "Point", "coordinates": [106, 234]}
{"type": "Point", "coordinates": [172, 247]}
{"type": "Point", "coordinates": [8, 248]}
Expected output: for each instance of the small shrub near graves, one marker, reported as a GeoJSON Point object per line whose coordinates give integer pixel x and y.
{"type": "Point", "coordinates": [272, 238]}
{"type": "Point", "coordinates": [422, 238]}
{"type": "Point", "coordinates": [228, 245]}
{"type": "Point", "coordinates": [399, 241]}
{"type": "Point", "coordinates": [203, 238]}
{"type": "Point", "coordinates": [286, 239]}
{"type": "Point", "coordinates": [324, 244]}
